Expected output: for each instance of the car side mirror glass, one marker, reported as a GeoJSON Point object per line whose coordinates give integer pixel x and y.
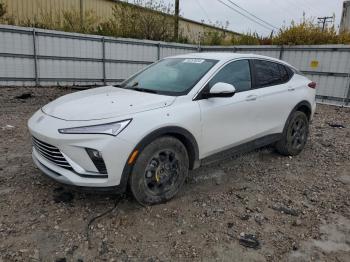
{"type": "Point", "coordinates": [221, 89]}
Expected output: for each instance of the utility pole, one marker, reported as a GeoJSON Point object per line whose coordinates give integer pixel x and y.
{"type": "Point", "coordinates": [176, 26]}
{"type": "Point", "coordinates": [81, 9]}
{"type": "Point", "coordinates": [324, 21]}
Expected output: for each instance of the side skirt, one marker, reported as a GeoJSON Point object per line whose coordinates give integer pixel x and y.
{"type": "Point", "coordinates": [241, 149]}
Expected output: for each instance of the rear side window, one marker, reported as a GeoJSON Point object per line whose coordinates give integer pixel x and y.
{"type": "Point", "coordinates": [269, 73]}
{"type": "Point", "coordinates": [236, 73]}
{"type": "Point", "coordinates": [284, 73]}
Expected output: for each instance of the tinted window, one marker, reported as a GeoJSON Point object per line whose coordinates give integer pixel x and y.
{"type": "Point", "coordinates": [267, 73]}
{"type": "Point", "coordinates": [291, 71]}
{"type": "Point", "coordinates": [236, 73]}
{"type": "Point", "coordinates": [284, 73]}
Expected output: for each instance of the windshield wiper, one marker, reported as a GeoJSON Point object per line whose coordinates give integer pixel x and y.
{"type": "Point", "coordinates": [135, 87]}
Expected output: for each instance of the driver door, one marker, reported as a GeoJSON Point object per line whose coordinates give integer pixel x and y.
{"type": "Point", "coordinates": [227, 122]}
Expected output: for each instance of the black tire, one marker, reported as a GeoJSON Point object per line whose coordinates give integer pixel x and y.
{"type": "Point", "coordinates": [294, 135]}
{"type": "Point", "coordinates": [160, 171]}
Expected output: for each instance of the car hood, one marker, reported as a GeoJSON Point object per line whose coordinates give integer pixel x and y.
{"type": "Point", "coordinates": [103, 103]}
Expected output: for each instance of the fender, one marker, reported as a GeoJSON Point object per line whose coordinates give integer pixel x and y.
{"type": "Point", "coordinates": [180, 133]}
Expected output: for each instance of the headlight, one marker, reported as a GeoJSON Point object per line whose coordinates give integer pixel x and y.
{"type": "Point", "coordinates": [109, 129]}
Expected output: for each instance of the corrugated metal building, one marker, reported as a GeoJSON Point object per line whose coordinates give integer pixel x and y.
{"type": "Point", "coordinates": [22, 10]}
{"type": "Point", "coordinates": [345, 19]}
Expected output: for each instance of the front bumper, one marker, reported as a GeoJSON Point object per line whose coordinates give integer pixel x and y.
{"type": "Point", "coordinates": [83, 172]}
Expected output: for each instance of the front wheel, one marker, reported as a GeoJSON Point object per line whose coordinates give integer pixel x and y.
{"type": "Point", "coordinates": [160, 171]}
{"type": "Point", "coordinates": [295, 135]}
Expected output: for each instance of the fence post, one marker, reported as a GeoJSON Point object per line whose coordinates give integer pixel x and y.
{"type": "Point", "coordinates": [104, 61]}
{"type": "Point", "coordinates": [281, 52]}
{"type": "Point", "coordinates": [35, 55]}
{"type": "Point", "coordinates": [199, 47]}
{"type": "Point", "coordinates": [347, 99]}
{"type": "Point", "coordinates": [158, 51]}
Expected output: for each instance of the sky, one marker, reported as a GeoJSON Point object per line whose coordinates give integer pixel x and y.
{"type": "Point", "coordinates": [276, 12]}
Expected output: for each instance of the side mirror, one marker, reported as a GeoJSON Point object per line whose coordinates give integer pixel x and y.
{"type": "Point", "coordinates": [221, 89]}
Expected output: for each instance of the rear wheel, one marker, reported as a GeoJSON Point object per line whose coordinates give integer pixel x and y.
{"type": "Point", "coordinates": [159, 171]}
{"type": "Point", "coordinates": [295, 135]}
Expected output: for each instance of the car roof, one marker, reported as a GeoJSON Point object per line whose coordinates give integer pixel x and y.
{"type": "Point", "coordinates": [226, 56]}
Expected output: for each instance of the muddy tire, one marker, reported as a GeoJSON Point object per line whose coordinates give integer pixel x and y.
{"type": "Point", "coordinates": [160, 171]}
{"type": "Point", "coordinates": [294, 135]}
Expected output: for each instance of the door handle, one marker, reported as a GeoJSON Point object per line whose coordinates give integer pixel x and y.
{"type": "Point", "coordinates": [251, 98]}
{"type": "Point", "coordinates": [291, 89]}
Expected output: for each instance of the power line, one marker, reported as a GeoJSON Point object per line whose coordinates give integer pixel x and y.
{"type": "Point", "coordinates": [235, 10]}
{"type": "Point", "coordinates": [252, 14]}
{"type": "Point", "coordinates": [201, 7]}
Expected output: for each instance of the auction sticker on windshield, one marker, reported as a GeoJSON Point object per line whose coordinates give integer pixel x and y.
{"type": "Point", "coordinates": [194, 61]}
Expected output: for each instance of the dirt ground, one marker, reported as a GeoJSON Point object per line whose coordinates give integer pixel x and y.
{"type": "Point", "coordinates": [297, 208]}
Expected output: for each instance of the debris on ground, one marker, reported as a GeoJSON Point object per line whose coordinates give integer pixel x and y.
{"type": "Point", "coordinates": [336, 125]}
{"type": "Point", "coordinates": [24, 96]}
{"type": "Point", "coordinates": [63, 259]}
{"type": "Point", "coordinates": [245, 216]}
{"type": "Point", "coordinates": [259, 218]}
{"type": "Point", "coordinates": [285, 210]}
{"type": "Point", "coordinates": [7, 127]}
{"type": "Point", "coordinates": [297, 222]}
{"type": "Point", "coordinates": [230, 225]}
{"type": "Point", "coordinates": [62, 196]}
{"type": "Point", "coordinates": [249, 240]}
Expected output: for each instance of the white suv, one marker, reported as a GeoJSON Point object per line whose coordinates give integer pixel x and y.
{"type": "Point", "coordinates": [150, 130]}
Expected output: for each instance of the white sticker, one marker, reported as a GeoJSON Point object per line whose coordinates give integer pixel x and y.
{"type": "Point", "coordinates": [193, 61]}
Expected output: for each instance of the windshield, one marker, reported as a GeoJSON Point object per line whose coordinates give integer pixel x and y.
{"type": "Point", "coordinates": [173, 76]}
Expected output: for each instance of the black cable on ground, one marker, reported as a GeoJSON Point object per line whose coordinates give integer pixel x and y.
{"type": "Point", "coordinates": [92, 220]}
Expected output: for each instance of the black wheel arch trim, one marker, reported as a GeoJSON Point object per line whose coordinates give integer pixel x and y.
{"type": "Point", "coordinates": [180, 133]}
{"type": "Point", "coordinates": [296, 107]}
{"type": "Point", "coordinates": [303, 103]}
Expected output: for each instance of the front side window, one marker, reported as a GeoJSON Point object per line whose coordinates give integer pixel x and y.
{"type": "Point", "coordinates": [172, 76]}
{"type": "Point", "coordinates": [236, 73]}
{"type": "Point", "coordinates": [269, 73]}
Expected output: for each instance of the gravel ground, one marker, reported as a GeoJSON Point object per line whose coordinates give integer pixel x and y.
{"type": "Point", "coordinates": [297, 208]}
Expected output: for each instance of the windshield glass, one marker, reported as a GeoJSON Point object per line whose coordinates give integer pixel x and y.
{"type": "Point", "coordinates": [173, 76]}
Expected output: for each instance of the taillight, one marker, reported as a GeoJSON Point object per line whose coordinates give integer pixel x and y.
{"type": "Point", "coordinates": [312, 85]}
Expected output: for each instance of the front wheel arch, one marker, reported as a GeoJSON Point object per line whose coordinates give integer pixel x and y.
{"type": "Point", "coordinates": [183, 135]}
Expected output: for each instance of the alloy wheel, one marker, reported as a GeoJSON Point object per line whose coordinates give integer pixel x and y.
{"type": "Point", "coordinates": [162, 172]}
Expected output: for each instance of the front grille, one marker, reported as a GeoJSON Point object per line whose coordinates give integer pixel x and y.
{"type": "Point", "coordinates": [51, 153]}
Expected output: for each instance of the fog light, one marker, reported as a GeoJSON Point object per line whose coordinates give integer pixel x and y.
{"type": "Point", "coordinates": [96, 153]}
{"type": "Point", "coordinates": [96, 158]}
